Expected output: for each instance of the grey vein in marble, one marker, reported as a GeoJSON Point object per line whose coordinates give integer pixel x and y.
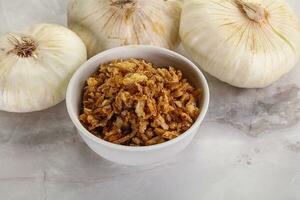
{"type": "Point", "coordinates": [255, 111]}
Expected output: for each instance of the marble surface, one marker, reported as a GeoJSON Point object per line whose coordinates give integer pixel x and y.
{"type": "Point", "coordinates": [248, 147]}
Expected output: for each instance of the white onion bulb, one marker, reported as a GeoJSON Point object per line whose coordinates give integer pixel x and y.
{"type": "Point", "coordinates": [247, 44]}
{"type": "Point", "coordinates": [110, 23]}
{"type": "Point", "coordinates": [36, 65]}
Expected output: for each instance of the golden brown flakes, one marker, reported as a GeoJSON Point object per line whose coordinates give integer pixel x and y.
{"type": "Point", "coordinates": [132, 102]}
{"type": "Point", "coordinates": [134, 78]}
{"type": "Point", "coordinates": [160, 122]}
{"type": "Point", "coordinates": [159, 131]}
{"type": "Point", "coordinates": [92, 82]}
{"type": "Point", "coordinates": [178, 104]}
{"type": "Point", "coordinates": [143, 137]}
{"type": "Point", "coordinates": [154, 140]}
{"type": "Point", "coordinates": [114, 137]}
{"type": "Point", "coordinates": [136, 141]}
{"type": "Point", "coordinates": [143, 126]}
{"type": "Point", "coordinates": [149, 133]}
{"type": "Point", "coordinates": [125, 138]}
{"type": "Point", "coordinates": [173, 125]}
{"type": "Point", "coordinates": [139, 109]}
{"type": "Point", "coordinates": [125, 65]}
{"type": "Point", "coordinates": [170, 135]}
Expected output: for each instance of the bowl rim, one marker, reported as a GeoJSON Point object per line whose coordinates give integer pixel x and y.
{"type": "Point", "coordinates": [77, 76]}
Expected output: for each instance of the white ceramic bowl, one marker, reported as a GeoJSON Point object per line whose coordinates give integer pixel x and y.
{"type": "Point", "coordinates": [126, 154]}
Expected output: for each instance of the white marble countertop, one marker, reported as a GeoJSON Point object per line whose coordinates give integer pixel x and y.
{"type": "Point", "coordinates": [248, 147]}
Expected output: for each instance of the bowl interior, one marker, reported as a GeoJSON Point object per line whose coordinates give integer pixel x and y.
{"type": "Point", "coordinates": [158, 56]}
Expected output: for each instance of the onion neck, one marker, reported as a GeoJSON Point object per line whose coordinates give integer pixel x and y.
{"type": "Point", "coordinates": [123, 3]}
{"type": "Point", "coordinates": [24, 47]}
{"type": "Point", "coordinates": [128, 6]}
{"type": "Point", "coordinates": [254, 11]}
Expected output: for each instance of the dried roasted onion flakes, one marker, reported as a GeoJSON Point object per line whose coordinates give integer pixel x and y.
{"type": "Point", "coordinates": [132, 102]}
